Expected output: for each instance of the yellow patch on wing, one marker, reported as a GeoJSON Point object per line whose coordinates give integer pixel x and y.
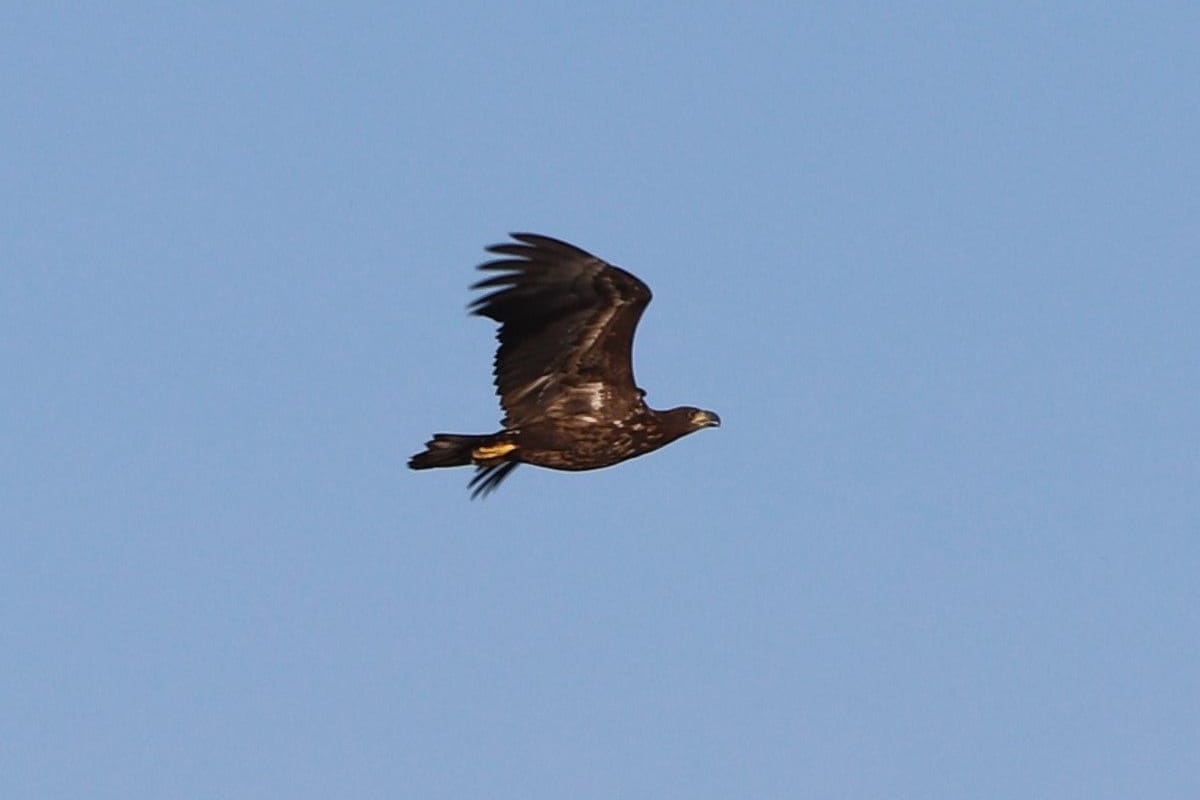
{"type": "Point", "coordinates": [489, 452]}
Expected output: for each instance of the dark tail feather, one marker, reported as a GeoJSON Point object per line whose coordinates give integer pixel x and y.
{"type": "Point", "coordinates": [447, 450]}
{"type": "Point", "coordinates": [454, 450]}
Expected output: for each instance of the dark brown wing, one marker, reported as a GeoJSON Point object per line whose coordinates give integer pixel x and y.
{"type": "Point", "coordinates": [567, 321]}
{"type": "Point", "coordinates": [487, 479]}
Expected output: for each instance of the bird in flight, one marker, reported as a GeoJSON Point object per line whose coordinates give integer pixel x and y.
{"type": "Point", "coordinates": [563, 370]}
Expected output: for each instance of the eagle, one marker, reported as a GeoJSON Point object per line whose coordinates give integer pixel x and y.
{"type": "Point", "coordinates": [563, 370]}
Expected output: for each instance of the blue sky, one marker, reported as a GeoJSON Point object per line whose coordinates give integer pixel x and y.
{"type": "Point", "coordinates": [935, 265]}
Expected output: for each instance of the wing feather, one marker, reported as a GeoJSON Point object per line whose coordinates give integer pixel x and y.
{"type": "Point", "coordinates": [567, 321]}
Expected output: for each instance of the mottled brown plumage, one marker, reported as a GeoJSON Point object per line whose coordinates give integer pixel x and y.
{"type": "Point", "coordinates": [564, 368]}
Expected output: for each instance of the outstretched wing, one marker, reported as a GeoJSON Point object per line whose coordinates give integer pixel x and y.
{"type": "Point", "coordinates": [567, 321]}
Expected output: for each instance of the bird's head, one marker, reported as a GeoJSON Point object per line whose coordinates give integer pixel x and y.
{"type": "Point", "coordinates": [698, 418]}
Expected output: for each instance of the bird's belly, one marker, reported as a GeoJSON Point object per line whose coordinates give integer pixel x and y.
{"type": "Point", "coordinates": [593, 449]}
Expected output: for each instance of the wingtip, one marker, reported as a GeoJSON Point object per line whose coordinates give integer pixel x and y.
{"type": "Point", "coordinates": [543, 242]}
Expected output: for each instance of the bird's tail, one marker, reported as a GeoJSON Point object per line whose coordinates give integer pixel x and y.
{"type": "Point", "coordinates": [492, 456]}
{"type": "Point", "coordinates": [449, 450]}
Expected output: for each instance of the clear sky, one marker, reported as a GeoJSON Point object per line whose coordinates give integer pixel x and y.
{"type": "Point", "coordinates": [935, 265]}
